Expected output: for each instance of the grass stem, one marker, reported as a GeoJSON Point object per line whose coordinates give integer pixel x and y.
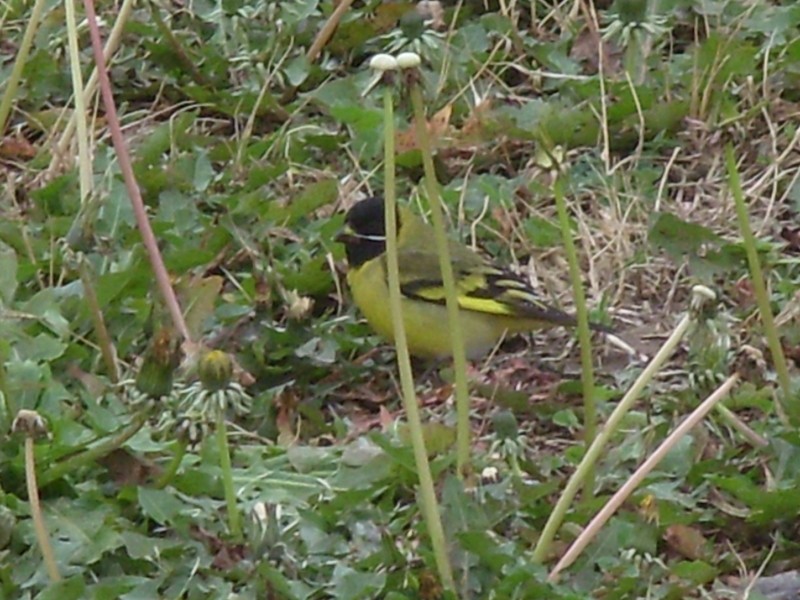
{"type": "Point", "coordinates": [584, 334]}
{"type": "Point", "coordinates": [42, 538]}
{"type": "Point", "coordinates": [12, 84]}
{"type": "Point", "coordinates": [126, 167]}
{"type": "Point", "coordinates": [172, 469]}
{"type": "Point", "coordinates": [95, 452]}
{"type": "Point", "coordinates": [786, 403]}
{"type": "Point", "coordinates": [446, 267]}
{"type": "Point", "coordinates": [234, 518]}
{"type": "Point", "coordinates": [430, 507]}
{"type": "Point", "coordinates": [101, 331]}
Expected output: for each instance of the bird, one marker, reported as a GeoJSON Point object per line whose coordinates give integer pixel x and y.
{"type": "Point", "coordinates": [493, 301]}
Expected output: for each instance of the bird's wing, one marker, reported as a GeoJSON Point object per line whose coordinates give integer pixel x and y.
{"type": "Point", "coordinates": [480, 286]}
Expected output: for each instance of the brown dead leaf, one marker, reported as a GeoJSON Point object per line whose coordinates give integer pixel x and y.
{"type": "Point", "coordinates": [433, 12]}
{"type": "Point", "coordinates": [743, 293]}
{"type": "Point", "coordinates": [792, 237]}
{"type": "Point", "coordinates": [387, 15]}
{"type": "Point", "coordinates": [16, 148]}
{"type": "Point", "coordinates": [790, 312]}
{"type": "Point", "coordinates": [440, 122]}
{"type": "Point", "coordinates": [405, 141]}
{"type": "Point", "coordinates": [505, 221]}
{"type": "Point", "coordinates": [585, 51]}
{"type": "Point", "coordinates": [125, 468]}
{"type": "Point", "coordinates": [226, 555]}
{"type": "Point", "coordinates": [429, 586]}
{"type": "Point", "coordinates": [93, 384]}
{"type": "Point", "coordinates": [286, 404]}
{"type": "Point", "coordinates": [386, 418]}
{"type": "Point", "coordinates": [438, 127]}
{"type": "Point", "coordinates": [436, 396]}
{"type": "Point", "coordinates": [792, 352]}
{"type": "Point", "coordinates": [687, 541]}
{"type": "Point", "coordinates": [475, 124]}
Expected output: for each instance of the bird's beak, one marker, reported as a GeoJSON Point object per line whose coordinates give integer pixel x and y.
{"type": "Point", "coordinates": [346, 236]}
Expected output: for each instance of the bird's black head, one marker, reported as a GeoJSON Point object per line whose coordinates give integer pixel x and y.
{"type": "Point", "coordinates": [364, 236]}
{"type": "Point", "coordinates": [365, 218]}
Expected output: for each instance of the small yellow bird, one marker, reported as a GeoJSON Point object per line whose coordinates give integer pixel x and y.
{"type": "Point", "coordinates": [493, 301]}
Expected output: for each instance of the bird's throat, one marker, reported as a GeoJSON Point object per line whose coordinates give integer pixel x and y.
{"type": "Point", "coordinates": [362, 250]}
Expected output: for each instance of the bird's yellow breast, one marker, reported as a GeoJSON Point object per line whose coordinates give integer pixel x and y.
{"type": "Point", "coordinates": [425, 323]}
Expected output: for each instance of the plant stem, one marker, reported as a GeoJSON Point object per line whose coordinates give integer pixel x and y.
{"type": "Point", "coordinates": [446, 267]}
{"type": "Point", "coordinates": [36, 512]}
{"type": "Point", "coordinates": [126, 168]}
{"type": "Point", "coordinates": [179, 52]}
{"type": "Point", "coordinates": [234, 521]}
{"type": "Point", "coordinates": [91, 454]}
{"type": "Point", "coordinates": [430, 507]}
{"type": "Point", "coordinates": [84, 154]}
{"type": "Point", "coordinates": [169, 474]}
{"type": "Point", "coordinates": [10, 401]}
{"type": "Point", "coordinates": [19, 64]}
{"type": "Point", "coordinates": [59, 153]}
{"type": "Point", "coordinates": [327, 30]}
{"type": "Point", "coordinates": [733, 421]}
{"type": "Point", "coordinates": [93, 305]}
{"type": "Point", "coordinates": [584, 335]}
{"type": "Point", "coordinates": [760, 289]}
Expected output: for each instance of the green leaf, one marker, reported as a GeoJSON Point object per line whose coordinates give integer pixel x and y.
{"type": "Point", "coordinates": [119, 587]}
{"type": "Point", "coordinates": [460, 511]}
{"type": "Point", "coordinates": [198, 298]}
{"type": "Point", "coordinates": [305, 459]}
{"type": "Point", "coordinates": [678, 237]}
{"type": "Point", "coordinates": [159, 505]}
{"type": "Point", "coordinates": [381, 468]}
{"type": "Point", "coordinates": [147, 590]}
{"type": "Point", "coordinates": [767, 505]}
{"type": "Point", "coordinates": [566, 418]}
{"type": "Point", "coordinates": [142, 546]}
{"type": "Point", "coordinates": [45, 305]}
{"type": "Point", "coordinates": [41, 348]}
{"type": "Point", "coordinates": [8, 273]}
{"type": "Point", "coordinates": [309, 200]}
{"type": "Point", "coordinates": [73, 588]}
{"type": "Point", "coordinates": [697, 571]}
{"type": "Point", "coordinates": [794, 192]}
{"type": "Point", "coordinates": [312, 278]}
{"type": "Point", "coordinates": [161, 139]}
{"type": "Point", "coordinates": [203, 172]}
{"type": "Point", "coordinates": [60, 196]}
{"type": "Point", "coordinates": [297, 70]}
{"type": "Point", "coordinates": [350, 584]}
{"type": "Point", "coordinates": [486, 548]}
{"type": "Point", "coordinates": [438, 437]}
{"type": "Point", "coordinates": [543, 233]}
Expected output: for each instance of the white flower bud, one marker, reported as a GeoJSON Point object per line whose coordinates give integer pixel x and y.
{"type": "Point", "coordinates": [383, 62]}
{"type": "Point", "coordinates": [703, 293]}
{"type": "Point", "coordinates": [408, 60]}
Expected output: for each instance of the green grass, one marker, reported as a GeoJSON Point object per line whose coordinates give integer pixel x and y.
{"type": "Point", "coordinates": [247, 153]}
